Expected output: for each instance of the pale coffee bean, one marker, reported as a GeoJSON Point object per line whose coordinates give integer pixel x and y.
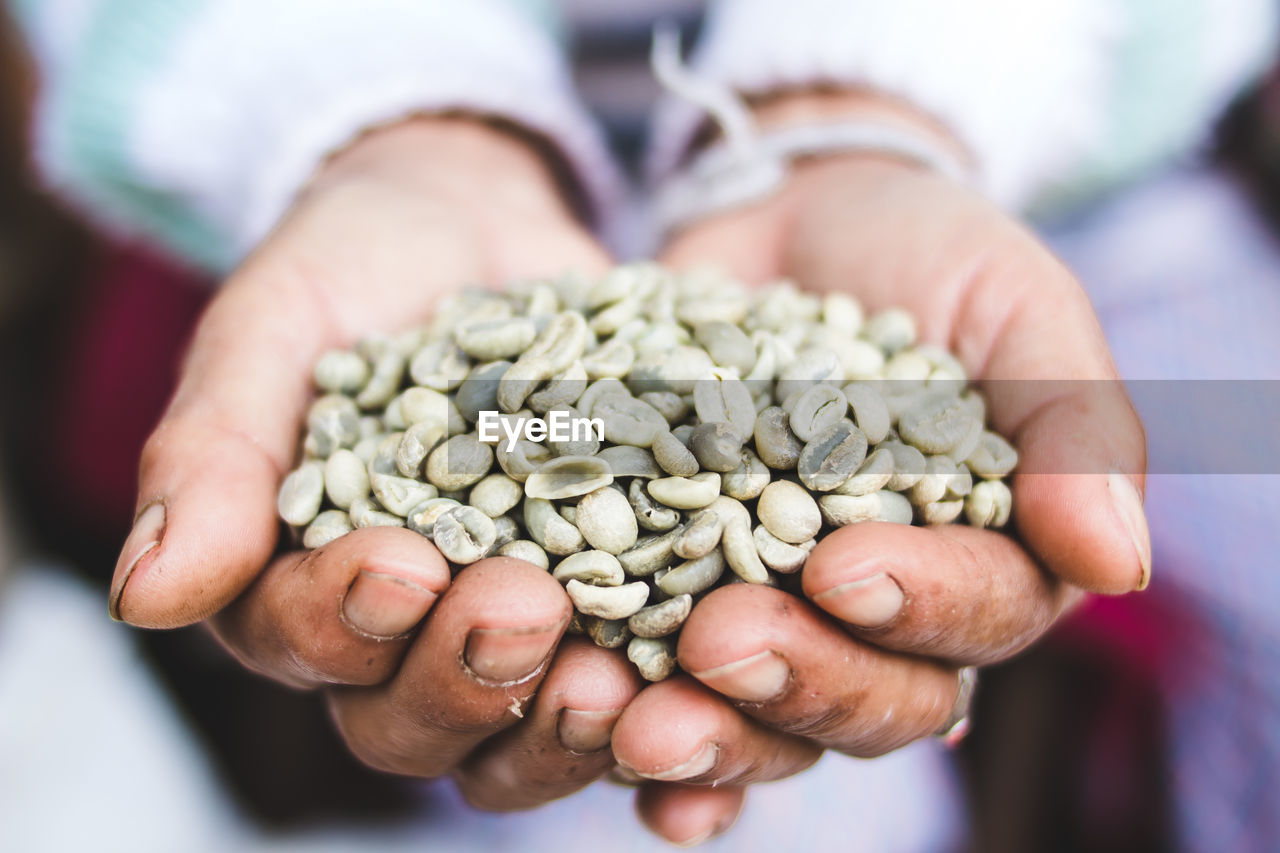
{"type": "Point", "coordinates": [568, 477]}
{"type": "Point", "coordinates": [326, 527]}
{"type": "Point", "coordinates": [789, 512]}
{"type": "Point", "coordinates": [608, 602]}
{"type": "Point", "coordinates": [594, 567]}
{"type": "Point", "coordinates": [301, 493]}
{"type": "Point", "coordinates": [989, 504]}
{"type": "Point", "coordinates": [464, 534]}
{"type": "Point", "coordinates": [686, 492]}
{"type": "Point", "coordinates": [527, 550]}
{"type": "Point", "coordinates": [345, 478]}
{"type": "Point", "coordinates": [654, 658]}
{"type": "Point", "coordinates": [606, 520]}
{"type": "Point", "coordinates": [661, 619]}
{"type": "Point", "coordinates": [341, 371]}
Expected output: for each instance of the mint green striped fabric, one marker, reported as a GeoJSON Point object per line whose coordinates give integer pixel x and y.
{"type": "Point", "coordinates": [1158, 101]}
{"type": "Point", "coordinates": [125, 43]}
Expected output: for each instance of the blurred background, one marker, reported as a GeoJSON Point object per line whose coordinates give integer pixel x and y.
{"type": "Point", "coordinates": [1080, 744]}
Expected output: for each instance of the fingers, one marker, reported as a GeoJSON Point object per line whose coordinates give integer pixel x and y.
{"type": "Point", "coordinates": [965, 595]}
{"type": "Point", "coordinates": [687, 815]}
{"type": "Point", "coordinates": [679, 731]}
{"type": "Point", "coordinates": [1078, 491]}
{"type": "Point", "coordinates": [214, 463]}
{"type": "Point", "coordinates": [988, 290]}
{"type": "Point", "coordinates": [341, 614]}
{"type": "Point", "coordinates": [470, 672]}
{"type": "Point", "coordinates": [563, 742]}
{"type": "Point", "coordinates": [788, 666]}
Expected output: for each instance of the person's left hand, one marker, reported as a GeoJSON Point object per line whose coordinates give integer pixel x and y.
{"type": "Point", "coordinates": [868, 661]}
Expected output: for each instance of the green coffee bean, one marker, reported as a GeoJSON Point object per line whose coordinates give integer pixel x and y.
{"type": "Point", "coordinates": [673, 456]}
{"type": "Point", "coordinates": [458, 463]}
{"type": "Point", "coordinates": [814, 409]}
{"type": "Point", "coordinates": [661, 619]}
{"type": "Point", "coordinates": [345, 478]}
{"type": "Point", "coordinates": [650, 514]}
{"type": "Point", "coordinates": [891, 329]}
{"type": "Point", "coordinates": [874, 474]}
{"type": "Point", "coordinates": [727, 345]}
{"type": "Point", "coordinates": [594, 567]}
{"type": "Point", "coordinates": [422, 518]}
{"type": "Point", "coordinates": [491, 340]}
{"type": "Point", "coordinates": [365, 513]}
{"type": "Point", "coordinates": [549, 530]}
{"type": "Point", "coordinates": [935, 424]}
{"type": "Point", "coordinates": [709, 395]}
{"type": "Point", "coordinates": [608, 602]}
{"type": "Point", "coordinates": [606, 520]}
{"type": "Point", "coordinates": [994, 457]}
{"type": "Point", "coordinates": [388, 368]}
{"type": "Point", "coordinates": [833, 456]}
{"type": "Point", "coordinates": [496, 495]}
{"type": "Point", "coordinates": [776, 444]}
{"type": "Point", "coordinates": [464, 534]}
{"type": "Point", "coordinates": [988, 504]}
{"type": "Point", "coordinates": [326, 527]}
{"type": "Point", "coordinates": [568, 477]}
{"type": "Point", "coordinates": [527, 550]}
{"type": "Point", "coordinates": [789, 512]}
{"type": "Point", "coordinates": [628, 420]}
{"type": "Point", "coordinates": [607, 633]}
{"type": "Point", "coordinates": [748, 480]}
{"type": "Point", "coordinates": [562, 391]}
{"type": "Point", "coordinates": [940, 512]}
{"type": "Point", "coordinates": [692, 576]}
{"type": "Point", "coordinates": [340, 371]}
{"type": "Point", "coordinates": [654, 658]}
{"type": "Point", "coordinates": [398, 495]}
{"type": "Point", "coordinates": [650, 554]}
{"type": "Point", "coordinates": [778, 555]}
{"type": "Point", "coordinates": [627, 461]}
{"type": "Point", "coordinates": [686, 492]}
{"type": "Point", "coordinates": [699, 536]}
{"type": "Point", "coordinates": [334, 422]}
{"type": "Point", "coordinates": [439, 365]}
{"type": "Point", "coordinates": [301, 494]}
{"type": "Point", "coordinates": [717, 446]}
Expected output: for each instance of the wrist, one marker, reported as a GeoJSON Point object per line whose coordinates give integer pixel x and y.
{"type": "Point", "coordinates": [821, 105]}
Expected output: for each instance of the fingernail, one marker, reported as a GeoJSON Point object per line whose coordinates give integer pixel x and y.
{"type": "Point", "coordinates": [510, 655]}
{"type": "Point", "coordinates": [384, 604]}
{"type": "Point", "coordinates": [586, 731]}
{"type": "Point", "coordinates": [759, 678]}
{"type": "Point", "coordinates": [707, 834]}
{"type": "Point", "coordinates": [1128, 505]}
{"type": "Point", "coordinates": [148, 530]}
{"type": "Point", "coordinates": [700, 764]}
{"type": "Point", "coordinates": [868, 603]}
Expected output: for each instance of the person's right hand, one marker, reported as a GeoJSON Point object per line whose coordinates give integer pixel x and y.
{"type": "Point", "coordinates": [401, 217]}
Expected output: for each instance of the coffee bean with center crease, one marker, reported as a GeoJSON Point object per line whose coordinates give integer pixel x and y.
{"type": "Point", "coordinates": [737, 425]}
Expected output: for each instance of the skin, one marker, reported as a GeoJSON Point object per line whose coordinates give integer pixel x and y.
{"type": "Point", "coordinates": [982, 285]}
{"type": "Point", "coordinates": [523, 717]}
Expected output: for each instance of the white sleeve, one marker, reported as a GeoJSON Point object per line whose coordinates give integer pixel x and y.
{"type": "Point", "coordinates": [1041, 93]}
{"type": "Point", "coordinates": [198, 122]}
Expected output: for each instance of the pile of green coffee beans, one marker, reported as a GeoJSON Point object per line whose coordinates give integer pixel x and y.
{"type": "Point", "coordinates": [645, 436]}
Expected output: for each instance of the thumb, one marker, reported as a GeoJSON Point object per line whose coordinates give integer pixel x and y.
{"type": "Point", "coordinates": [206, 521]}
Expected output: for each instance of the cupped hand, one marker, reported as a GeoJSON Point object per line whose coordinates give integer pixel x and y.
{"type": "Point", "coordinates": [426, 675]}
{"type": "Point", "coordinates": [868, 660]}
